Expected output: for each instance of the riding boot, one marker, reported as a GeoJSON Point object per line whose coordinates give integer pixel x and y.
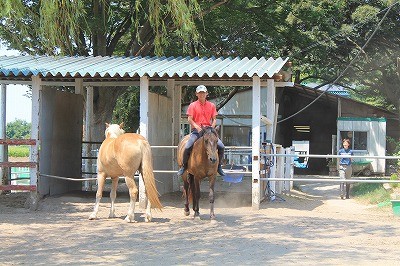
{"type": "Point", "coordinates": [185, 159]}
{"type": "Point", "coordinates": [342, 190]}
{"type": "Point", "coordinates": [221, 157]}
{"type": "Point", "coordinates": [347, 191]}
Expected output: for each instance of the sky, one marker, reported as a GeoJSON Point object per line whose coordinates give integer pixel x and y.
{"type": "Point", "coordinates": [18, 106]}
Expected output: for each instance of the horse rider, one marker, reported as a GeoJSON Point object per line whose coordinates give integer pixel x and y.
{"type": "Point", "coordinates": [201, 113]}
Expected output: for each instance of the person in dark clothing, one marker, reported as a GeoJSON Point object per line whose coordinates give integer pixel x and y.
{"type": "Point", "coordinates": [345, 168]}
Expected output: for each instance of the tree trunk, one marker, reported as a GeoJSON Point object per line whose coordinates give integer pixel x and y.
{"type": "Point", "coordinates": [104, 100]}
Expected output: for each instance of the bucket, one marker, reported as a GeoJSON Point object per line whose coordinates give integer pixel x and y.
{"type": "Point", "coordinates": [396, 207]}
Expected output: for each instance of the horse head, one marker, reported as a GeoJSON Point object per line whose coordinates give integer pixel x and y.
{"type": "Point", "coordinates": [114, 130]}
{"type": "Point", "coordinates": [210, 140]}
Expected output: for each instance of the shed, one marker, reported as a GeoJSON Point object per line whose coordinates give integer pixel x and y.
{"type": "Point", "coordinates": [57, 132]}
{"type": "Point", "coordinates": [315, 124]}
{"type": "Point", "coordinates": [367, 136]}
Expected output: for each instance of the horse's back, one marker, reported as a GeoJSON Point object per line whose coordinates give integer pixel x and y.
{"type": "Point", "coordinates": [123, 154]}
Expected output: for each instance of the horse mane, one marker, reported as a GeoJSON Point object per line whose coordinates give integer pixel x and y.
{"type": "Point", "coordinates": [113, 130]}
{"type": "Point", "coordinates": [209, 129]}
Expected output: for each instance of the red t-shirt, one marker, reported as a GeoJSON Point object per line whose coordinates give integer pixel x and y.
{"type": "Point", "coordinates": [202, 113]}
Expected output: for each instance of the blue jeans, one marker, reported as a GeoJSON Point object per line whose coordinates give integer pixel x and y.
{"type": "Point", "coordinates": [194, 135]}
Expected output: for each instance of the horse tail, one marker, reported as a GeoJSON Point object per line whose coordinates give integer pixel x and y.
{"type": "Point", "coordinates": [189, 196]}
{"type": "Point", "coordinates": [148, 177]}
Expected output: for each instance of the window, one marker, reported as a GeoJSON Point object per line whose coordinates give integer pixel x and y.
{"type": "Point", "coordinates": [236, 136]}
{"type": "Point", "coordinates": [358, 139]}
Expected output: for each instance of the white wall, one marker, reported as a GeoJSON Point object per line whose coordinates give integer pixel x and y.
{"type": "Point", "coordinates": [376, 137]}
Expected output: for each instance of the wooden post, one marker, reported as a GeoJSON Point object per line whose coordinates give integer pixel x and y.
{"type": "Point", "coordinates": [270, 109]}
{"type": "Point", "coordinates": [88, 134]}
{"type": "Point", "coordinates": [255, 144]}
{"type": "Point", "coordinates": [143, 128]}
{"type": "Point", "coordinates": [174, 92]}
{"type": "Point", "coordinates": [3, 125]}
{"type": "Point", "coordinates": [34, 153]}
{"type": "Point", "coordinates": [288, 170]}
{"type": "Point", "coordinates": [280, 168]}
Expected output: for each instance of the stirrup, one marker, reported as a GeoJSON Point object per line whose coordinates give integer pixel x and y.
{"type": "Point", "coordinates": [220, 171]}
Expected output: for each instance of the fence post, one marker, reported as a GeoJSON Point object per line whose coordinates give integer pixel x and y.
{"type": "Point", "coordinates": [280, 168]}
{"type": "Point", "coordinates": [289, 169]}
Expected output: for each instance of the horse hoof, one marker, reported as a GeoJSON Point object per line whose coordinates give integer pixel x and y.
{"type": "Point", "coordinates": [111, 216]}
{"type": "Point", "coordinates": [196, 216]}
{"type": "Point", "coordinates": [147, 219]}
{"type": "Point", "coordinates": [129, 220]}
{"type": "Point", "coordinates": [212, 217]}
{"type": "Point", "coordinates": [92, 217]}
{"type": "Point", "coordinates": [186, 213]}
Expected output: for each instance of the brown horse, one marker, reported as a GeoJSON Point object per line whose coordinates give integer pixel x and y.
{"type": "Point", "coordinates": [122, 155]}
{"type": "Point", "coordinates": [203, 162]}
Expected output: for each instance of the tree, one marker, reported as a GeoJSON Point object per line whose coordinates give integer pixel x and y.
{"type": "Point", "coordinates": [18, 129]}
{"type": "Point", "coordinates": [320, 36]}
{"type": "Point", "coordinates": [99, 27]}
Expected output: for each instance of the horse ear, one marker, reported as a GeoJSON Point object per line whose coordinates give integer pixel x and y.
{"type": "Point", "coordinates": [121, 125]}
{"type": "Point", "coordinates": [217, 128]}
{"type": "Point", "coordinates": [107, 125]}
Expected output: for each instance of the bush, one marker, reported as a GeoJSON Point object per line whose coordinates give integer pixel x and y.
{"type": "Point", "coordinates": [394, 177]}
{"type": "Point", "coordinates": [18, 129]}
{"type": "Point", "coordinates": [18, 151]}
{"type": "Point", "coordinates": [373, 193]}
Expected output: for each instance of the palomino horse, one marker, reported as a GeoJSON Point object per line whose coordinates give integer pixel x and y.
{"type": "Point", "coordinates": [203, 162]}
{"type": "Point", "coordinates": [122, 155]}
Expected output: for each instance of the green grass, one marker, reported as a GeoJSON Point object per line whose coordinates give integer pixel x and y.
{"type": "Point", "coordinates": [371, 193]}
{"type": "Point", "coordinates": [18, 151]}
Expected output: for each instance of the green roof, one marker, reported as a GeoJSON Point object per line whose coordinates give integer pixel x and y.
{"type": "Point", "coordinates": [378, 119]}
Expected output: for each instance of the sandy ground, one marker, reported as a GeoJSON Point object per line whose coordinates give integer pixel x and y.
{"type": "Point", "coordinates": [308, 227]}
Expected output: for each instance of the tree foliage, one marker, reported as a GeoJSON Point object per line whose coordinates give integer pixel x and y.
{"type": "Point", "coordinates": [321, 37]}
{"type": "Point", "coordinates": [18, 129]}
{"type": "Point", "coordinates": [99, 28]}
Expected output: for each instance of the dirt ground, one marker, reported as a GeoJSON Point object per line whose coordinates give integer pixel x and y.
{"type": "Point", "coordinates": [308, 227]}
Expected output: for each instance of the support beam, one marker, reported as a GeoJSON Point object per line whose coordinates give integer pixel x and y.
{"type": "Point", "coordinates": [255, 143]}
{"type": "Point", "coordinates": [143, 129]}
{"type": "Point", "coordinates": [79, 86]}
{"type": "Point", "coordinates": [3, 125]}
{"type": "Point", "coordinates": [270, 109]}
{"type": "Point", "coordinates": [174, 92]}
{"type": "Point", "coordinates": [88, 132]}
{"type": "Point", "coordinates": [34, 152]}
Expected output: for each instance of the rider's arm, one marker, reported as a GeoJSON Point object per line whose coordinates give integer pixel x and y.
{"type": "Point", "coordinates": [193, 124]}
{"type": "Point", "coordinates": [214, 121]}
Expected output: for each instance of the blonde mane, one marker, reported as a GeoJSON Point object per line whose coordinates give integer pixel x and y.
{"type": "Point", "coordinates": [113, 130]}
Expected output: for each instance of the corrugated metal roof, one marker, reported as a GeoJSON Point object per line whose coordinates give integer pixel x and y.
{"type": "Point", "coordinates": [127, 67]}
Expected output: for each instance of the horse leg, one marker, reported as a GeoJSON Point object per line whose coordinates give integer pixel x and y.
{"type": "Point", "coordinates": [113, 196]}
{"type": "Point", "coordinates": [196, 198]}
{"type": "Point", "coordinates": [133, 191]}
{"type": "Point", "coordinates": [211, 197]}
{"type": "Point", "coordinates": [101, 178]}
{"type": "Point", "coordinates": [186, 189]}
{"type": "Point", "coordinates": [148, 216]}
